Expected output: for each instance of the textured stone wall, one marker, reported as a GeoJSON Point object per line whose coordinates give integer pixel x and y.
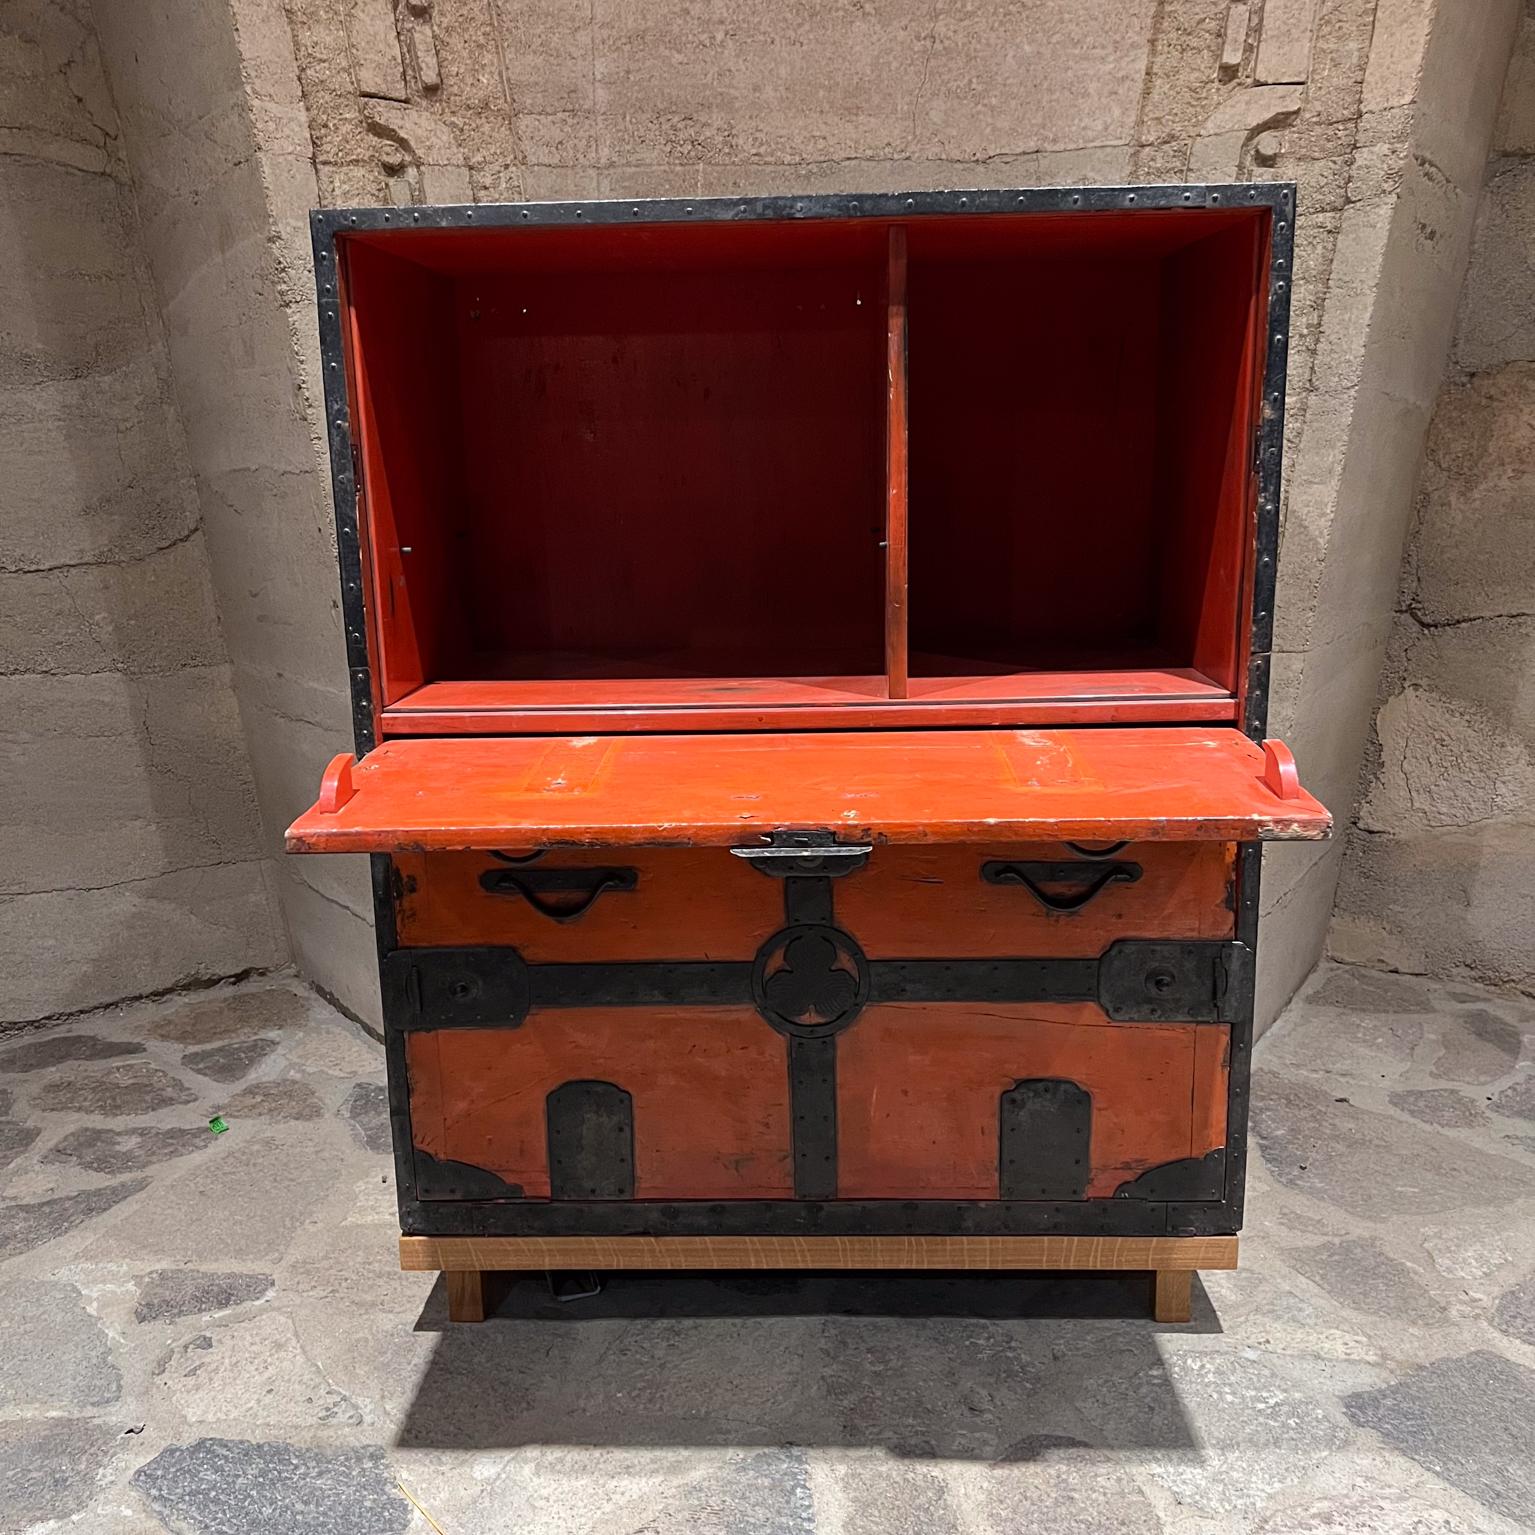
{"type": "Point", "coordinates": [130, 859]}
{"type": "Point", "coordinates": [1380, 109]}
{"type": "Point", "coordinates": [215, 134]}
{"type": "Point", "coordinates": [1440, 873]}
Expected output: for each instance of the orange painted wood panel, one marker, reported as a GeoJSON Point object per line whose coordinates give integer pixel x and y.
{"type": "Point", "coordinates": [907, 902]}
{"type": "Point", "coordinates": [896, 786]}
{"type": "Point", "coordinates": [918, 1087]}
{"type": "Point", "coordinates": [1219, 709]}
{"type": "Point", "coordinates": [709, 1088]}
{"type": "Point", "coordinates": [688, 903]}
{"type": "Point", "coordinates": [1111, 696]}
{"type": "Point", "coordinates": [930, 902]}
{"type": "Point", "coordinates": [629, 693]}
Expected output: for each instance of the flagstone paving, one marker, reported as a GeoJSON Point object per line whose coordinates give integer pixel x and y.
{"type": "Point", "coordinates": [208, 1334]}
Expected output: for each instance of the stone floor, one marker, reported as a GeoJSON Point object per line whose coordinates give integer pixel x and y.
{"type": "Point", "coordinates": [207, 1333]}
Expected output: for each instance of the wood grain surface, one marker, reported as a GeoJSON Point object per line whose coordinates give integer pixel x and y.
{"type": "Point", "coordinates": [922, 1252]}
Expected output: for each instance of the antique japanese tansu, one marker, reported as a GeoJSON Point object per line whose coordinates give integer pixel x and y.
{"type": "Point", "coordinates": [809, 661]}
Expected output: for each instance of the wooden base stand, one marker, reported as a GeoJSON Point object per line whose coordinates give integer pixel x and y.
{"type": "Point", "coordinates": [1172, 1261]}
{"type": "Point", "coordinates": [466, 1294]}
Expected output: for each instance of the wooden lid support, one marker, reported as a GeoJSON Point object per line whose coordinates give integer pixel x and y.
{"type": "Point", "coordinates": [1279, 770]}
{"type": "Point", "coordinates": [336, 786]}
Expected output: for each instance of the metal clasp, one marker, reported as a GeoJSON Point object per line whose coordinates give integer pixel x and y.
{"type": "Point", "coordinates": [785, 853]}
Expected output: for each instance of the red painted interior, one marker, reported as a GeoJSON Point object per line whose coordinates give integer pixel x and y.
{"type": "Point", "coordinates": [650, 464]}
{"type": "Point", "coordinates": [1080, 445]}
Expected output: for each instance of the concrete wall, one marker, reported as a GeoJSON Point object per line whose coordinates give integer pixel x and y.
{"type": "Point", "coordinates": [1389, 234]}
{"type": "Point", "coordinates": [215, 133]}
{"type": "Point", "coordinates": [1438, 878]}
{"type": "Point", "coordinates": [1380, 109]}
{"type": "Point", "coordinates": [130, 859]}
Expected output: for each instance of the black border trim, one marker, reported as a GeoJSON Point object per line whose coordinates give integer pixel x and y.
{"type": "Point", "coordinates": [805, 1217]}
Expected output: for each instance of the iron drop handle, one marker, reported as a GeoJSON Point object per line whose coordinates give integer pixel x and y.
{"type": "Point", "coordinates": [1083, 882]}
{"type": "Point", "coordinates": [535, 885]}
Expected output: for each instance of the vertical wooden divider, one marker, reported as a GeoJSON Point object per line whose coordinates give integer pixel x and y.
{"type": "Point", "coordinates": [896, 564]}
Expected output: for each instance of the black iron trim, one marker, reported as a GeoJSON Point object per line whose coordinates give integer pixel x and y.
{"type": "Point", "coordinates": [534, 884]}
{"type": "Point", "coordinates": [1044, 1140]}
{"type": "Point", "coordinates": [443, 1178]}
{"type": "Point", "coordinates": [589, 1127]}
{"type": "Point", "coordinates": [1150, 981]}
{"type": "Point", "coordinates": [813, 1115]}
{"type": "Point", "coordinates": [346, 487]}
{"type": "Point", "coordinates": [641, 983]}
{"type": "Point", "coordinates": [983, 980]}
{"type": "Point", "coordinates": [1197, 1179]}
{"type": "Point", "coordinates": [330, 222]}
{"type": "Point", "coordinates": [1246, 885]}
{"type": "Point", "coordinates": [1133, 981]}
{"type": "Point", "coordinates": [1089, 879]}
{"type": "Point", "coordinates": [820, 999]}
{"type": "Point", "coordinates": [1269, 451]}
{"type": "Point", "coordinates": [807, 1217]}
{"type": "Point", "coordinates": [808, 900]}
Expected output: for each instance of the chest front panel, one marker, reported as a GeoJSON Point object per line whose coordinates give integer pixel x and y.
{"type": "Point", "coordinates": [973, 1022]}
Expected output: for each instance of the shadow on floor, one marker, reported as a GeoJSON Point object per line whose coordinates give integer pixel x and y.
{"type": "Point", "coordinates": [947, 1365]}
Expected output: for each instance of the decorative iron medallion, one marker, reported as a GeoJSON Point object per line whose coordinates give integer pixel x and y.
{"type": "Point", "coordinates": [810, 980]}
